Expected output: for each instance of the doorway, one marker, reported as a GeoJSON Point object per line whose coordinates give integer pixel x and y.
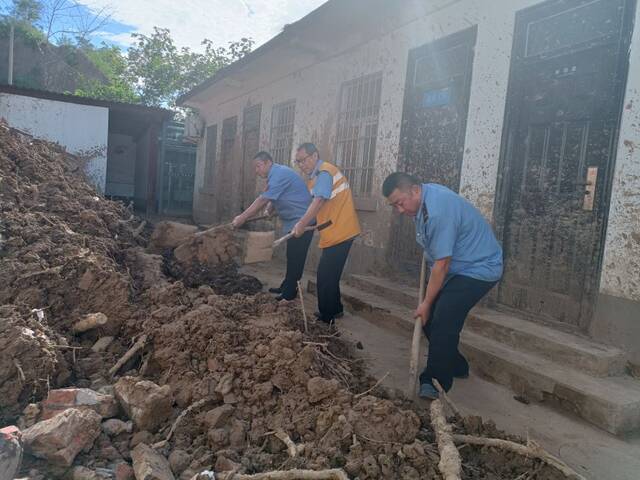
{"type": "Point", "coordinates": [568, 72]}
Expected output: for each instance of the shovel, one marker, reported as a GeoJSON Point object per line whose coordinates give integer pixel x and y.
{"type": "Point", "coordinates": [320, 227]}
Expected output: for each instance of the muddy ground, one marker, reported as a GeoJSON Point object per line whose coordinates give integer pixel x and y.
{"type": "Point", "coordinates": [236, 361]}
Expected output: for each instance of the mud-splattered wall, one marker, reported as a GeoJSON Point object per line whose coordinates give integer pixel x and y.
{"type": "Point", "coordinates": [312, 74]}
{"type": "Point", "coordinates": [621, 267]}
{"type": "Point", "coordinates": [82, 129]}
{"type": "Point", "coordinates": [617, 318]}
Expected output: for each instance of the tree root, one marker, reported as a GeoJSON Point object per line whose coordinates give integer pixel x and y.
{"type": "Point", "coordinates": [532, 450]}
{"type": "Point", "coordinates": [333, 474]}
{"type": "Point", "coordinates": [450, 465]}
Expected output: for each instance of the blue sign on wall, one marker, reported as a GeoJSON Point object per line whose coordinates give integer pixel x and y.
{"type": "Point", "coordinates": [436, 98]}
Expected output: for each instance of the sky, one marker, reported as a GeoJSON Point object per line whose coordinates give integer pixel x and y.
{"type": "Point", "coordinates": [191, 21]}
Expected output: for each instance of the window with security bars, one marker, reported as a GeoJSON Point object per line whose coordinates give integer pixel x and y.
{"type": "Point", "coordinates": [358, 130]}
{"type": "Point", "coordinates": [282, 121]}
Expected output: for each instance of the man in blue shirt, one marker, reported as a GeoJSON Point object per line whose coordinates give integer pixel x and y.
{"type": "Point", "coordinates": [286, 193]}
{"type": "Point", "coordinates": [465, 261]}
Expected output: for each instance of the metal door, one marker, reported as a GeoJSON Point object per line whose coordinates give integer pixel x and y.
{"type": "Point", "coordinates": [433, 126]}
{"type": "Point", "coordinates": [178, 177]}
{"type": "Point", "coordinates": [250, 146]}
{"type": "Point", "coordinates": [566, 85]}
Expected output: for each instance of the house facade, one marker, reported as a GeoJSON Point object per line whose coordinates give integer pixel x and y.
{"type": "Point", "coordinates": [530, 109]}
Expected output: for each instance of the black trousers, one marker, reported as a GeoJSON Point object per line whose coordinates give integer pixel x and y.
{"type": "Point", "coordinates": [448, 314]}
{"type": "Point", "coordinates": [297, 249]}
{"type": "Point", "coordinates": [330, 270]}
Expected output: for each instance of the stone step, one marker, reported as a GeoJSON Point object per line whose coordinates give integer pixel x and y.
{"type": "Point", "coordinates": [611, 403]}
{"type": "Point", "coordinates": [573, 350]}
{"type": "Point", "coordinates": [555, 345]}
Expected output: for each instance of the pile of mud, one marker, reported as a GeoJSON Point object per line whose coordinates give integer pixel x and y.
{"type": "Point", "coordinates": [176, 376]}
{"type": "Point", "coordinates": [65, 252]}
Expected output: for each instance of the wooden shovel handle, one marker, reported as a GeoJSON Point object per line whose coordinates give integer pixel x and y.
{"type": "Point", "coordinates": [417, 334]}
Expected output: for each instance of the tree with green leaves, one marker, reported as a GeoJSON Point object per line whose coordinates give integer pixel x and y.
{"type": "Point", "coordinates": [113, 64]}
{"type": "Point", "coordinates": [162, 72]}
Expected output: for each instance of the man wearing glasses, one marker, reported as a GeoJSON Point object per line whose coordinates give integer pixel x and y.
{"type": "Point", "coordinates": [465, 260]}
{"type": "Point", "coordinates": [332, 202]}
{"type": "Point", "coordinates": [286, 193]}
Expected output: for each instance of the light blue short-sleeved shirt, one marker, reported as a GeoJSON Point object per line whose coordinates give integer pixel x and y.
{"type": "Point", "coordinates": [449, 226]}
{"type": "Point", "coordinates": [324, 182]}
{"type": "Point", "coordinates": [288, 193]}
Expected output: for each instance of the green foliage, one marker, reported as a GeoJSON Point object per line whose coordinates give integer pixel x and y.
{"type": "Point", "coordinates": [113, 65]}
{"type": "Point", "coordinates": [27, 32]}
{"type": "Point", "coordinates": [26, 11]}
{"type": "Point", "coordinates": [162, 72]}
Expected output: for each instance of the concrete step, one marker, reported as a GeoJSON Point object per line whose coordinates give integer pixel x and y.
{"type": "Point", "coordinates": [573, 350]}
{"type": "Point", "coordinates": [611, 403]}
{"type": "Point", "coordinates": [561, 347]}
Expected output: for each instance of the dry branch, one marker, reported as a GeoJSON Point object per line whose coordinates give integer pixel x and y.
{"type": "Point", "coordinates": [450, 465]}
{"type": "Point", "coordinates": [333, 474]}
{"type": "Point", "coordinates": [533, 450]}
{"type": "Point", "coordinates": [362, 394]}
{"type": "Point", "coordinates": [139, 345]}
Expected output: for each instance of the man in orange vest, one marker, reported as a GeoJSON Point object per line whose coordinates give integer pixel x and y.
{"type": "Point", "coordinates": [332, 202]}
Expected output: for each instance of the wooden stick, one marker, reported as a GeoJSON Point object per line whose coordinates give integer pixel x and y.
{"type": "Point", "coordinates": [417, 335]}
{"type": "Point", "coordinates": [139, 345]}
{"type": "Point", "coordinates": [333, 474]}
{"type": "Point", "coordinates": [362, 394]}
{"type": "Point", "coordinates": [450, 465]}
{"type": "Point", "coordinates": [446, 399]}
{"type": "Point", "coordinates": [304, 310]}
{"type": "Point", "coordinates": [532, 450]}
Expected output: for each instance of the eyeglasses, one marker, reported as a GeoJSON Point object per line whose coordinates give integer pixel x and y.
{"type": "Point", "coordinates": [298, 162]}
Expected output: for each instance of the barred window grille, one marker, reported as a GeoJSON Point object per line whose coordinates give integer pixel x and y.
{"type": "Point", "coordinates": [358, 130]}
{"type": "Point", "coordinates": [282, 121]}
{"type": "Point", "coordinates": [210, 152]}
{"type": "Point", "coordinates": [229, 127]}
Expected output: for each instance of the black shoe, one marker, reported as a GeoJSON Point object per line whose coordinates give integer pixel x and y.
{"type": "Point", "coordinates": [275, 290]}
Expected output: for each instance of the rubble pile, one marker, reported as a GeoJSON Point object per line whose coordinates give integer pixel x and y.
{"type": "Point", "coordinates": [119, 367]}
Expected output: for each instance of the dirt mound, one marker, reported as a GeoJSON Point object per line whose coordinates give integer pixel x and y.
{"type": "Point", "coordinates": [240, 386]}
{"type": "Point", "coordinates": [61, 240]}
{"type": "Point", "coordinates": [31, 361]}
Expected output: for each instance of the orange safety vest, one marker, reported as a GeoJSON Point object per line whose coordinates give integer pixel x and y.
{"type": "Point", "coordinates": [339, 209]}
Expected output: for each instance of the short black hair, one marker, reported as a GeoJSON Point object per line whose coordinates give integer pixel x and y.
{"type": "Point", "coordinates": [264, 156]}
{"type": "Point", "coordinates": [308, 147]}
{"type": "Point", "coordinates": [398, 180]}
